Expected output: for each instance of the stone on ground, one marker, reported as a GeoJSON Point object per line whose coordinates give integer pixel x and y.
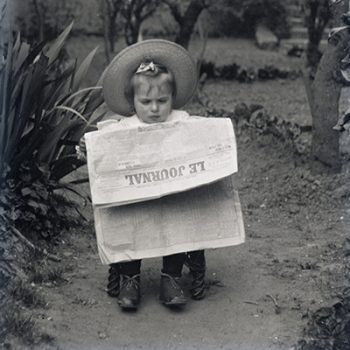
{"type": "Point", "coordinates": [265, 39]}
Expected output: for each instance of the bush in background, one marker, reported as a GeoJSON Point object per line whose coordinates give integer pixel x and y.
{"type": "Point", "coordinates": [223, 18]}
{"type": "Point", "coordinates": [43, 114]}
{"type": "Point", "coordinates": [240, 17]}
{"type": "Point", "coordinates": [41, 20]}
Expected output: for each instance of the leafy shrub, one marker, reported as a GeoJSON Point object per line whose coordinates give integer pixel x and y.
{"type": "Point", "coordinates": [328, 327]}
{"type": "Point", "coordinates": [240, 17]}
{"type": "Point", "coordinates": [34, 205]}
{"type": "Point", "coordinates": [27, 294]}
{"type": "Point", "coordinates": [272, 12]}
{"type": "Point", "coordinates": [45, 19]}
{"type": "Point", "coordinates": [43, 114]}
{"type": "Point", "coordinates": [245, 75]}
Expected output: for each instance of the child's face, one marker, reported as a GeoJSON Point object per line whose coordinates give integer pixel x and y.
{"type": "Point", "coordinates": [153, 99]}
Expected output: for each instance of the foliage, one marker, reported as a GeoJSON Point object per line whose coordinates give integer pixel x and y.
{"type": "Point", "coordinates": [43, 114]}
{"type": "Point", "coordinates": [329, 327]}
{"type": "Point", "coordinates": [126, 16]}
{"type": "Point", "coordinates": [22, 270]}
{"type": "Point", "coordinates": [245, 75]}
{"type": "Point", "coordinates": [47, 18]}
{"type": "Point", "coordinates": [18, 322]}
{"type": "Point", "coordinates": [237, 17]}
{"type": "Point", "coordinates": [258, 120]}
{"type": "Point", "coordinates": [134, 12]}
{"type": "Point", "coordinates": [26, 293]}
{"type": "Point", "coordinates": [42, 117]}
{"type": "Point", "coordinates": [110, 10]}
{"type": "Point", "coordinates": [34, 204]}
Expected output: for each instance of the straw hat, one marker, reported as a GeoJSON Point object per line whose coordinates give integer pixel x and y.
{"type": "Point", "coordinates": [174, 57]}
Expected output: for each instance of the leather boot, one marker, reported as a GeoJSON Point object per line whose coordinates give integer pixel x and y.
{"type": "Point", "coordinates": [171, 294]}
{"type": "Point", "coordinates": [113, 285]}
{"type": "Point", "coordinates": [195, 261]}
{"type": "Point", "coordinates": [130, 293]}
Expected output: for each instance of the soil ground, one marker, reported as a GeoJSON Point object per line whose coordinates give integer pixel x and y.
{"type": "Point", "coordinates": [260, 293]}
{"type": "Point", "coordinates": [295, 227]}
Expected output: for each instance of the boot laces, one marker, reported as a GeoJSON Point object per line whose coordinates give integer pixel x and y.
{"type": "Point", "coordinates": [174, 282]}
{"type": "Point", "coordinates": [130, 281]}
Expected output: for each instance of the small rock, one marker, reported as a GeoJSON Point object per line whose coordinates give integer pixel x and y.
{"type": "Point", "coordinates": [102, 335]}
{"type": "Point", "coordinates": [92, 301]}
{"type": "Point", "coordinates": [67, 254]}
{"type": "Point", "coordinates": [294, 209]}
{"type": "Point", "coordinates": [265, 39]}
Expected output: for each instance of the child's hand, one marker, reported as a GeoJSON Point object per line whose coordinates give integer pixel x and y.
{"type": "Point", "coordinates": [81, 149]}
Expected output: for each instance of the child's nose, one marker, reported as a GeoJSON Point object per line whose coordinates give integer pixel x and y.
{"type": "Point", "coordinates": [154, 107]}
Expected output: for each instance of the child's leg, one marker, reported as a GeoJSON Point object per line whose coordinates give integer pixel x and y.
{"type": "Point", "coordinates": [130, 268]}
{"type": "Point", "coordinates": [114, 272]}
{"type": "Point", "coordinates": [171, 294]}
{"type": "Point", "coordinates": [173, 264]}
{"type": "Point", "coordinates": [113, 285]}
{"type": "Point", "coordinates": [130, 294]}
{"type": "Point", "coordinates": [196, 263]}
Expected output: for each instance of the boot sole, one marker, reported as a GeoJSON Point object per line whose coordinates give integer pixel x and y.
{"type": "Point", "coordinates": [175, 302]}
{"type": "Point", "coordinates": [127, 306]}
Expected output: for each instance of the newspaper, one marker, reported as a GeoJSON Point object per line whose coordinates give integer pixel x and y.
{"type": "Point", "coordinates": [205, 217]}
{"type": "Point", "coordinates": [145, 162]}
{"type": "Point", "coordinates": [164, 188]}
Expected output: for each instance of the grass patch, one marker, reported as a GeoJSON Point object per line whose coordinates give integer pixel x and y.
{"type": "Point", "coordinates": [26, 293]}
{"type": "Point", "coordinates": [45, 274]}
{"type": "Point", "coordinates": [17, 326]}
{"type": "Point", "coordinates": [22, 327]}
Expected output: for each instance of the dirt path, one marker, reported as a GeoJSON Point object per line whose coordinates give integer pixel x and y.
{"type": "Point", "coordinates": [291, 257]}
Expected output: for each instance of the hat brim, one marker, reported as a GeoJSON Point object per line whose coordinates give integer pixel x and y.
{"type": "Point", "coordinates": [118, 74]}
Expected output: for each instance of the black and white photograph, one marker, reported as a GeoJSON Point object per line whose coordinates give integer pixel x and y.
{"type": "Point", "coordinates": [175, 174]}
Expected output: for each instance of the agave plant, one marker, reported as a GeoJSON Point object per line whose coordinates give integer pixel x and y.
{"type": "Point", "coordinates": [43, 114]}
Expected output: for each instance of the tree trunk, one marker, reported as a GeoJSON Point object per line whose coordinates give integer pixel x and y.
{"type": "Point", "coordinates": [112, 31]}
{"type": "Point", "coordinates": [131, 32]}
{"type": "Point", "coordinates": [325, 102]}
{"type": "Point", "coordinates": [188, 22]}
{"type": "Point", "coordinates": [316, 17]}
{"type": "Point", "coordinates": [103, 9]}
{"type": "Point", "coordinates": [313, 54]}
{"type": "Point", "coordinates": [326, 92]}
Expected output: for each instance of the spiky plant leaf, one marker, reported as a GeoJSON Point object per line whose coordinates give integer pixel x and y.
{"type": "Point", "coordinates": [83, 69]}
{"type": "Point", "coordinates": [5, 102]}
{"type": "Point", "coordinates": [52, 50]}
{"type": "Point", "coordinates": [49, 147]}
{"type": "Point", "coordinates": [21, 57]}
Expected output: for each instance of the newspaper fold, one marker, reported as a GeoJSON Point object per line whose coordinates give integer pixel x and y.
{"type": "Point", "coordinates": [150, 161]}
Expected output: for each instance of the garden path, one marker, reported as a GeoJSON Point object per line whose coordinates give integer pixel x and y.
{"type": "Point", "coordinates": [292, 256]}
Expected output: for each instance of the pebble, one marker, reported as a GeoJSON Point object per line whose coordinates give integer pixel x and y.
{"type": "Point", "coordinates": [102, 335]}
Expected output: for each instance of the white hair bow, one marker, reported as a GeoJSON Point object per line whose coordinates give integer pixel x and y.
{"type": "Point", "coordinates": [146, 66]}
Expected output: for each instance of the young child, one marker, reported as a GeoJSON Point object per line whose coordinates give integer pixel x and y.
{"type": "Point", "coordinates": [148, 80]}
